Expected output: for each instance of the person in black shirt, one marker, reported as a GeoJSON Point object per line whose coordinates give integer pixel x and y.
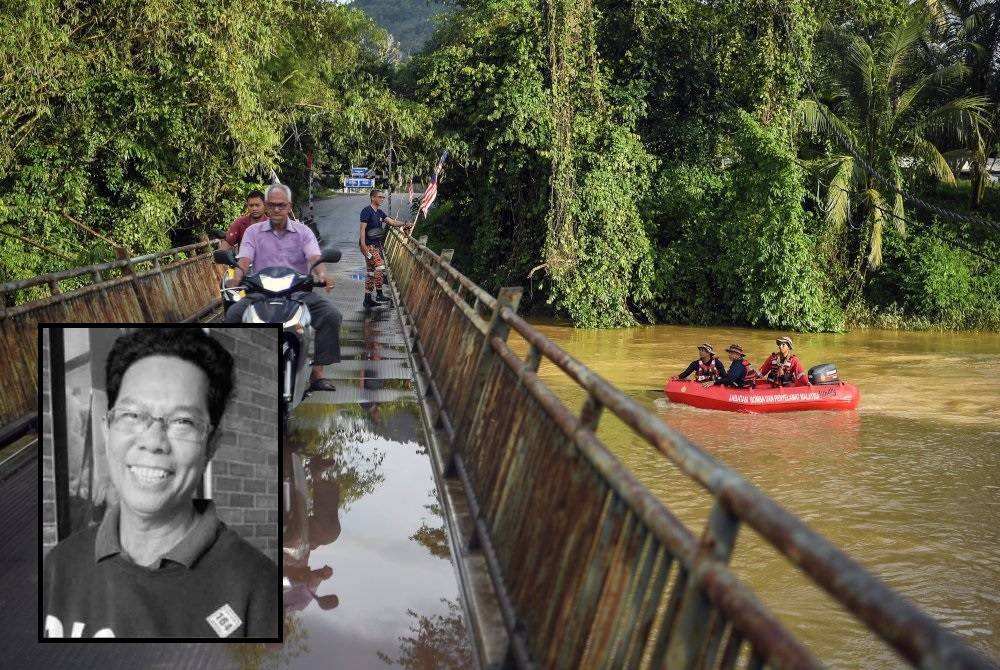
{"type": "Point", "coordinates": [161, 564]}
{"type": "Point", "coordinates": [371, 237]}
{"type": "Point", "coordinates": [707, 367]}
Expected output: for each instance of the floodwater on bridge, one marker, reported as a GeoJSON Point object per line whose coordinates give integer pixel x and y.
{"type": "Point", "coordinates": [368, 581]}
{"type": "Point", "coordinates": [909, 484]}
{"type": "Point", "coordinates": [368, 578]}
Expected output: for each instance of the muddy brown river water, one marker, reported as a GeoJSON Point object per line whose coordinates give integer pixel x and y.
{"type": "Point", "coordinates": [908, 484]}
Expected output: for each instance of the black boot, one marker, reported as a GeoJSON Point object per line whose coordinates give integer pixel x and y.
{"type": "Point", "coordinates": [380, 297]}
{"type": "Point", "coordinates": [369, 303]}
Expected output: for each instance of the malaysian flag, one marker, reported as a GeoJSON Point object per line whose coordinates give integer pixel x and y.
{"type": "Point", "coordinates": [432, 188]}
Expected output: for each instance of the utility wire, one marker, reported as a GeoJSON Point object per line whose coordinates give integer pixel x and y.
{"type": "Point", "coordinates": [922, 226]}
{"type": "Point", "coordinates": [846, 143]}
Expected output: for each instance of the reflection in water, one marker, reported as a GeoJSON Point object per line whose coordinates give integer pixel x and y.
{"type": "Point", "coordinates": [433, 537]}
{"type": "Point", "coordinates": [356, 486]}
{"type": "Point", "coordinates": [310, 521]}
{"type": "Point", "coordinates": [341, 442]}
{"type": "Point", "coordinates": [909, 484]}
{"type": "Point", "coordinates": [436, 642]}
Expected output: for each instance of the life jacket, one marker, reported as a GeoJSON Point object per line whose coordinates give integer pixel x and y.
{"type": "Point", "coordinates": [781, 371]}
{"type": "Point", "coordinates": [706, 372]}
{"type": "Point", "coordinates": [749, 376]}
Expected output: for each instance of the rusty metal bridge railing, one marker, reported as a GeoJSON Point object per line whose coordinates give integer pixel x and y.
{"type": "Point", "coordinates": [176, 285]}
{"type": "Point", "coordinates": [590, 569]}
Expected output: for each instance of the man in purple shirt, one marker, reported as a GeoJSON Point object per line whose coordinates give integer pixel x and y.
{"type": "Point", "coordinates": [281, 242]}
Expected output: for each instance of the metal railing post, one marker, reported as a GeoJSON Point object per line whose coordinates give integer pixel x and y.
{"type": "Point", "coordinates": [509, 297]}
{"type": "Point", "coordinates": [691, 626]}
{"type": "Point", "coordinates": [446, 257]}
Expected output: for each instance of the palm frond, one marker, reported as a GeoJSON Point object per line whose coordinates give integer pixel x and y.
{"type": "Point", "coordinates": [876, 217]}
{"type": "Point", "coordinates": [937, 79]}
{"type": "Point", "coordinates": [861, 71]}
{"type": "Point", "coordinates": [959, 118]}
{"type": "Point", "coordinates": [932, 158]}
{"type": "Point", "coordinates": [816, 117]}
{"type": "Point", "coordinates": [939, 12]}
{"type": "Point", "coordinates": [898, 210]}
{"type": "Point", "coordinates": [838, 195]}
{"type": "Point", "coordinates": [897, 43]}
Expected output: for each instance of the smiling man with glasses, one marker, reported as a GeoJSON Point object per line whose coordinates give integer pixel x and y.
{"type": "Point", "coordinates": [161, 564]}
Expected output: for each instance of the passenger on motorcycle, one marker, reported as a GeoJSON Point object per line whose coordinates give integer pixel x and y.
{"type": "Point", "coordinates": [255, 213]}
{"type": "Point", "coordinates": [280, 242]}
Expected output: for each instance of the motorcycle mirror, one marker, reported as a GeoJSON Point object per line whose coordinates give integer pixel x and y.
{"type": "Point", "coordinates": [224, 257]}
{"type": "Point", "coordinates": [217, 234]}
{"type": "Point", "coordinates": [329, 256]}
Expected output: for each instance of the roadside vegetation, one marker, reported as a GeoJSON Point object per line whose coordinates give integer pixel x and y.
{"type": "Point", "coordinates": [652, 161]}
{"type": "Point", "coordinates": [667, 162]}
{"type": "Point", "coordinates": [147, 121]}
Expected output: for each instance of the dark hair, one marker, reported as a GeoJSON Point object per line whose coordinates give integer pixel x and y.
{"type": "Point", "coordinates": [374, 192]}
{"type": "Point", "coordinates": [189, 344]}
{"type": "Point", "coordinates": [255, 194]}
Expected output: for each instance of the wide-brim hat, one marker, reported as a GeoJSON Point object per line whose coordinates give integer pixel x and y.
{"type": "Point", "coordinates": [784, 340]}
{"type": "Point", "coordinates": [707, 347]}
{"type": "Point", "coordinates": [736, 349]}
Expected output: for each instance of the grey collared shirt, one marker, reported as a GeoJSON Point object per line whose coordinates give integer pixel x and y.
{"type": "Point", "coordinates": [197, 541]}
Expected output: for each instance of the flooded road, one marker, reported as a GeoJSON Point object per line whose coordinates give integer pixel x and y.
{"type": "Point", "coordinates": [368, 579]}
{"type": "Point", "coordinates": [369, 582]}
{"type": "Point", "coordinates": [908, 484]}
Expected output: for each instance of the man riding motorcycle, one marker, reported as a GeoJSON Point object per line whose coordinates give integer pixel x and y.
{"type": "Point", "coordinates": [281, 242]}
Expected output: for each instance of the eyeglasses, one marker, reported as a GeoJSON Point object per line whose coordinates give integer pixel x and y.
{"type": "Point", "coordinates": [277, 205]}
{"type": "Point", "coordinates": [180, 426]}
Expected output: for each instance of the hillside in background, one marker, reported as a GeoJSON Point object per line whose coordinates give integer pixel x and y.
{"type": "Point", "coordinates": [409, 21]}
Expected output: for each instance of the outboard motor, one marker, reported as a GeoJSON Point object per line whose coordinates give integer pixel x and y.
{"type": "Point", "coordinates": [824, 373]}
{"type": "Point", "coordinates": [274, 294]}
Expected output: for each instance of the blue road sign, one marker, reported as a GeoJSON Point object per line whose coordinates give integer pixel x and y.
{"type": "Point", "coordinates": [359, 172]}
{"type": "Point", "coordinates": [359, 183]}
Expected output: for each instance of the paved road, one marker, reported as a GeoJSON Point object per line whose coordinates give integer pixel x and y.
{"type": "Point", "coordinates": [373, 515]}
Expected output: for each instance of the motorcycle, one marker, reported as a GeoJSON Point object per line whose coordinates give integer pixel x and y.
{"type": "Point", "coordinates": [272, 292]}
{"type": "Point", "coordinates": [229, 298]}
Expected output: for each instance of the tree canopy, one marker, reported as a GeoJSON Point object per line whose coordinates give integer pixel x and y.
{"type": "Point", "coordinates": [693, 161]}
{"type": "Point", "coordinates": [664, 161]}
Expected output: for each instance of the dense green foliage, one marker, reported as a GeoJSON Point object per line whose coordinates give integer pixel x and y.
{"type": "Point", "coordinates": [691, 177]}
{"type": "Point", "coordinates": [637, 161]}
{"type": "Point", "coordinates": [147, 121]}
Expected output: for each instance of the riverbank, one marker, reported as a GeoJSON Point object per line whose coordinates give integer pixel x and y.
{"type": "Point", "coordinates": [871, 319]}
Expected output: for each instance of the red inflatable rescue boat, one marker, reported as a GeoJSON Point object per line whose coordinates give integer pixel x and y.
{"type": "Point", "coordinates": [764, 398]}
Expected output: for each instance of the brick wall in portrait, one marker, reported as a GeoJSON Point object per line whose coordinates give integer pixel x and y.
{"type": "Point", "coordinates": [48, 461]}
{"type": "Point", "coordinates": [245, 467]}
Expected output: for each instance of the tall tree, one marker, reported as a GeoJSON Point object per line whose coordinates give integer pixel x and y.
{"type": "Point", "coordinates": [969, 32]}
{"type": "Point", "coordinates": [892, 115]}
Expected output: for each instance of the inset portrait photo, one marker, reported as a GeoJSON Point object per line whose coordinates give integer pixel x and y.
{"type": "Point", "coordinates": [159, 482]}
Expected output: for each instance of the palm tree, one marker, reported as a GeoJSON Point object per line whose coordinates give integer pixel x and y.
{"type": "Point", "coordinates": [969, 31]}
{"type": "Point", "coordinates": [881, 101]}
